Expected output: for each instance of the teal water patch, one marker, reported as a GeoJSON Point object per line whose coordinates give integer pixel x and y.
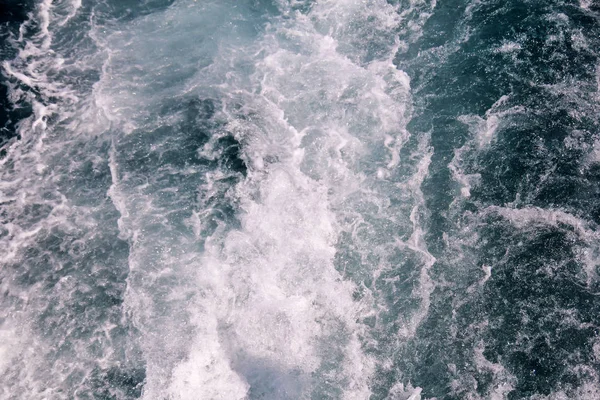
{"type": "Point", "coordinates": [509, 92]}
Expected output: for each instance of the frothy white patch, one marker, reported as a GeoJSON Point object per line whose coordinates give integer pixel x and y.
{"type": "Point", "coordinates": [12, 341]}
{"type": "Point", "coordinates": [400, 392]}
{"type": "Point", "coordinates": [509, 47]}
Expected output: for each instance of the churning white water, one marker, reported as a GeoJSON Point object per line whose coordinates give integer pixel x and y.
{"type": "Point", "coordinates": [299, 199]}
{"type": "Point", "coordinates": [253, 155]}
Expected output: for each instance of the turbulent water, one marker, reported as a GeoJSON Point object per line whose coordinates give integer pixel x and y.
{"type": "Point", "coordinates": [296, 199]}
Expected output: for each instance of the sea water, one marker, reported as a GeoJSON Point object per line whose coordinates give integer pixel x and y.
{"type": "Point", "coordinates": [296, 199]}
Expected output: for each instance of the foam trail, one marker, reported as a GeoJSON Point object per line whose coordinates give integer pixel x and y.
{"type": "Point", "coordinates": [252, 182]}
{"type": "Point", "coordinates": [483, 131]}
{"type": "Point", "coordinates": [258, 310]}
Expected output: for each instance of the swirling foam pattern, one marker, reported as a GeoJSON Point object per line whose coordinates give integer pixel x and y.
{"type": "Point", "coordinates": [297, 199]}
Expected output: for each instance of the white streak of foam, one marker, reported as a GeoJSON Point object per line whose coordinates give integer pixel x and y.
{"type": "Point", "coordinates": [18, 75]}
{"type": "Point", "coordinates": [44, 23]}
{"type": "Point", "coordinates": [509, 47]}
{"type": "Point", "coordinates": [416, 242]}
{"type": "Point", "coordinates": [117, 198]}
{"type": "Point", "coordinates": [11, 343]}
{"type": "Point", "coordinates": [401, 392]}
{"type": "Point", "coordinates": [528, 216]}
{"type": "Point", "coordinates": [482, 131]}
{"type": "Point", "coordinates": [75, 5]}
{"type": "Point", "coordinates": [534, 217]}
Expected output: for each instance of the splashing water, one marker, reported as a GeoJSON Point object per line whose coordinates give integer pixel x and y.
{"type": "Point", "coordinates": [326, 199]}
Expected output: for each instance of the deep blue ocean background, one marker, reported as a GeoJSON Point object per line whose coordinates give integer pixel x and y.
{"type": "Point", "coordinates": [300, 199]}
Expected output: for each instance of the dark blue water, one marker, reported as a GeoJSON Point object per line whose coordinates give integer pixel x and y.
{"type": "Point", "coordinates": [272, 199]}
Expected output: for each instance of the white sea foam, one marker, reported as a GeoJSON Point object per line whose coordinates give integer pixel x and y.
{"type": "Point", "coordinates": [73, 7]}
{"type": "Point", "coordinates": [482, 131]}
{"type": "Point", "coordinates": [264, 307]}
{"type": "Point", "coordinates": [509, 47]}
{"type": "Point", "coordinates": [402, 392]}
{"type": "Point", "coordinates": [258, 310]}
{"type": "Point", "coordinates": [12, 341]}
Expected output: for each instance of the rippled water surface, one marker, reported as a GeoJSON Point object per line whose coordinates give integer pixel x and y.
{"type": "Point", "coordinates": [300, 199]}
